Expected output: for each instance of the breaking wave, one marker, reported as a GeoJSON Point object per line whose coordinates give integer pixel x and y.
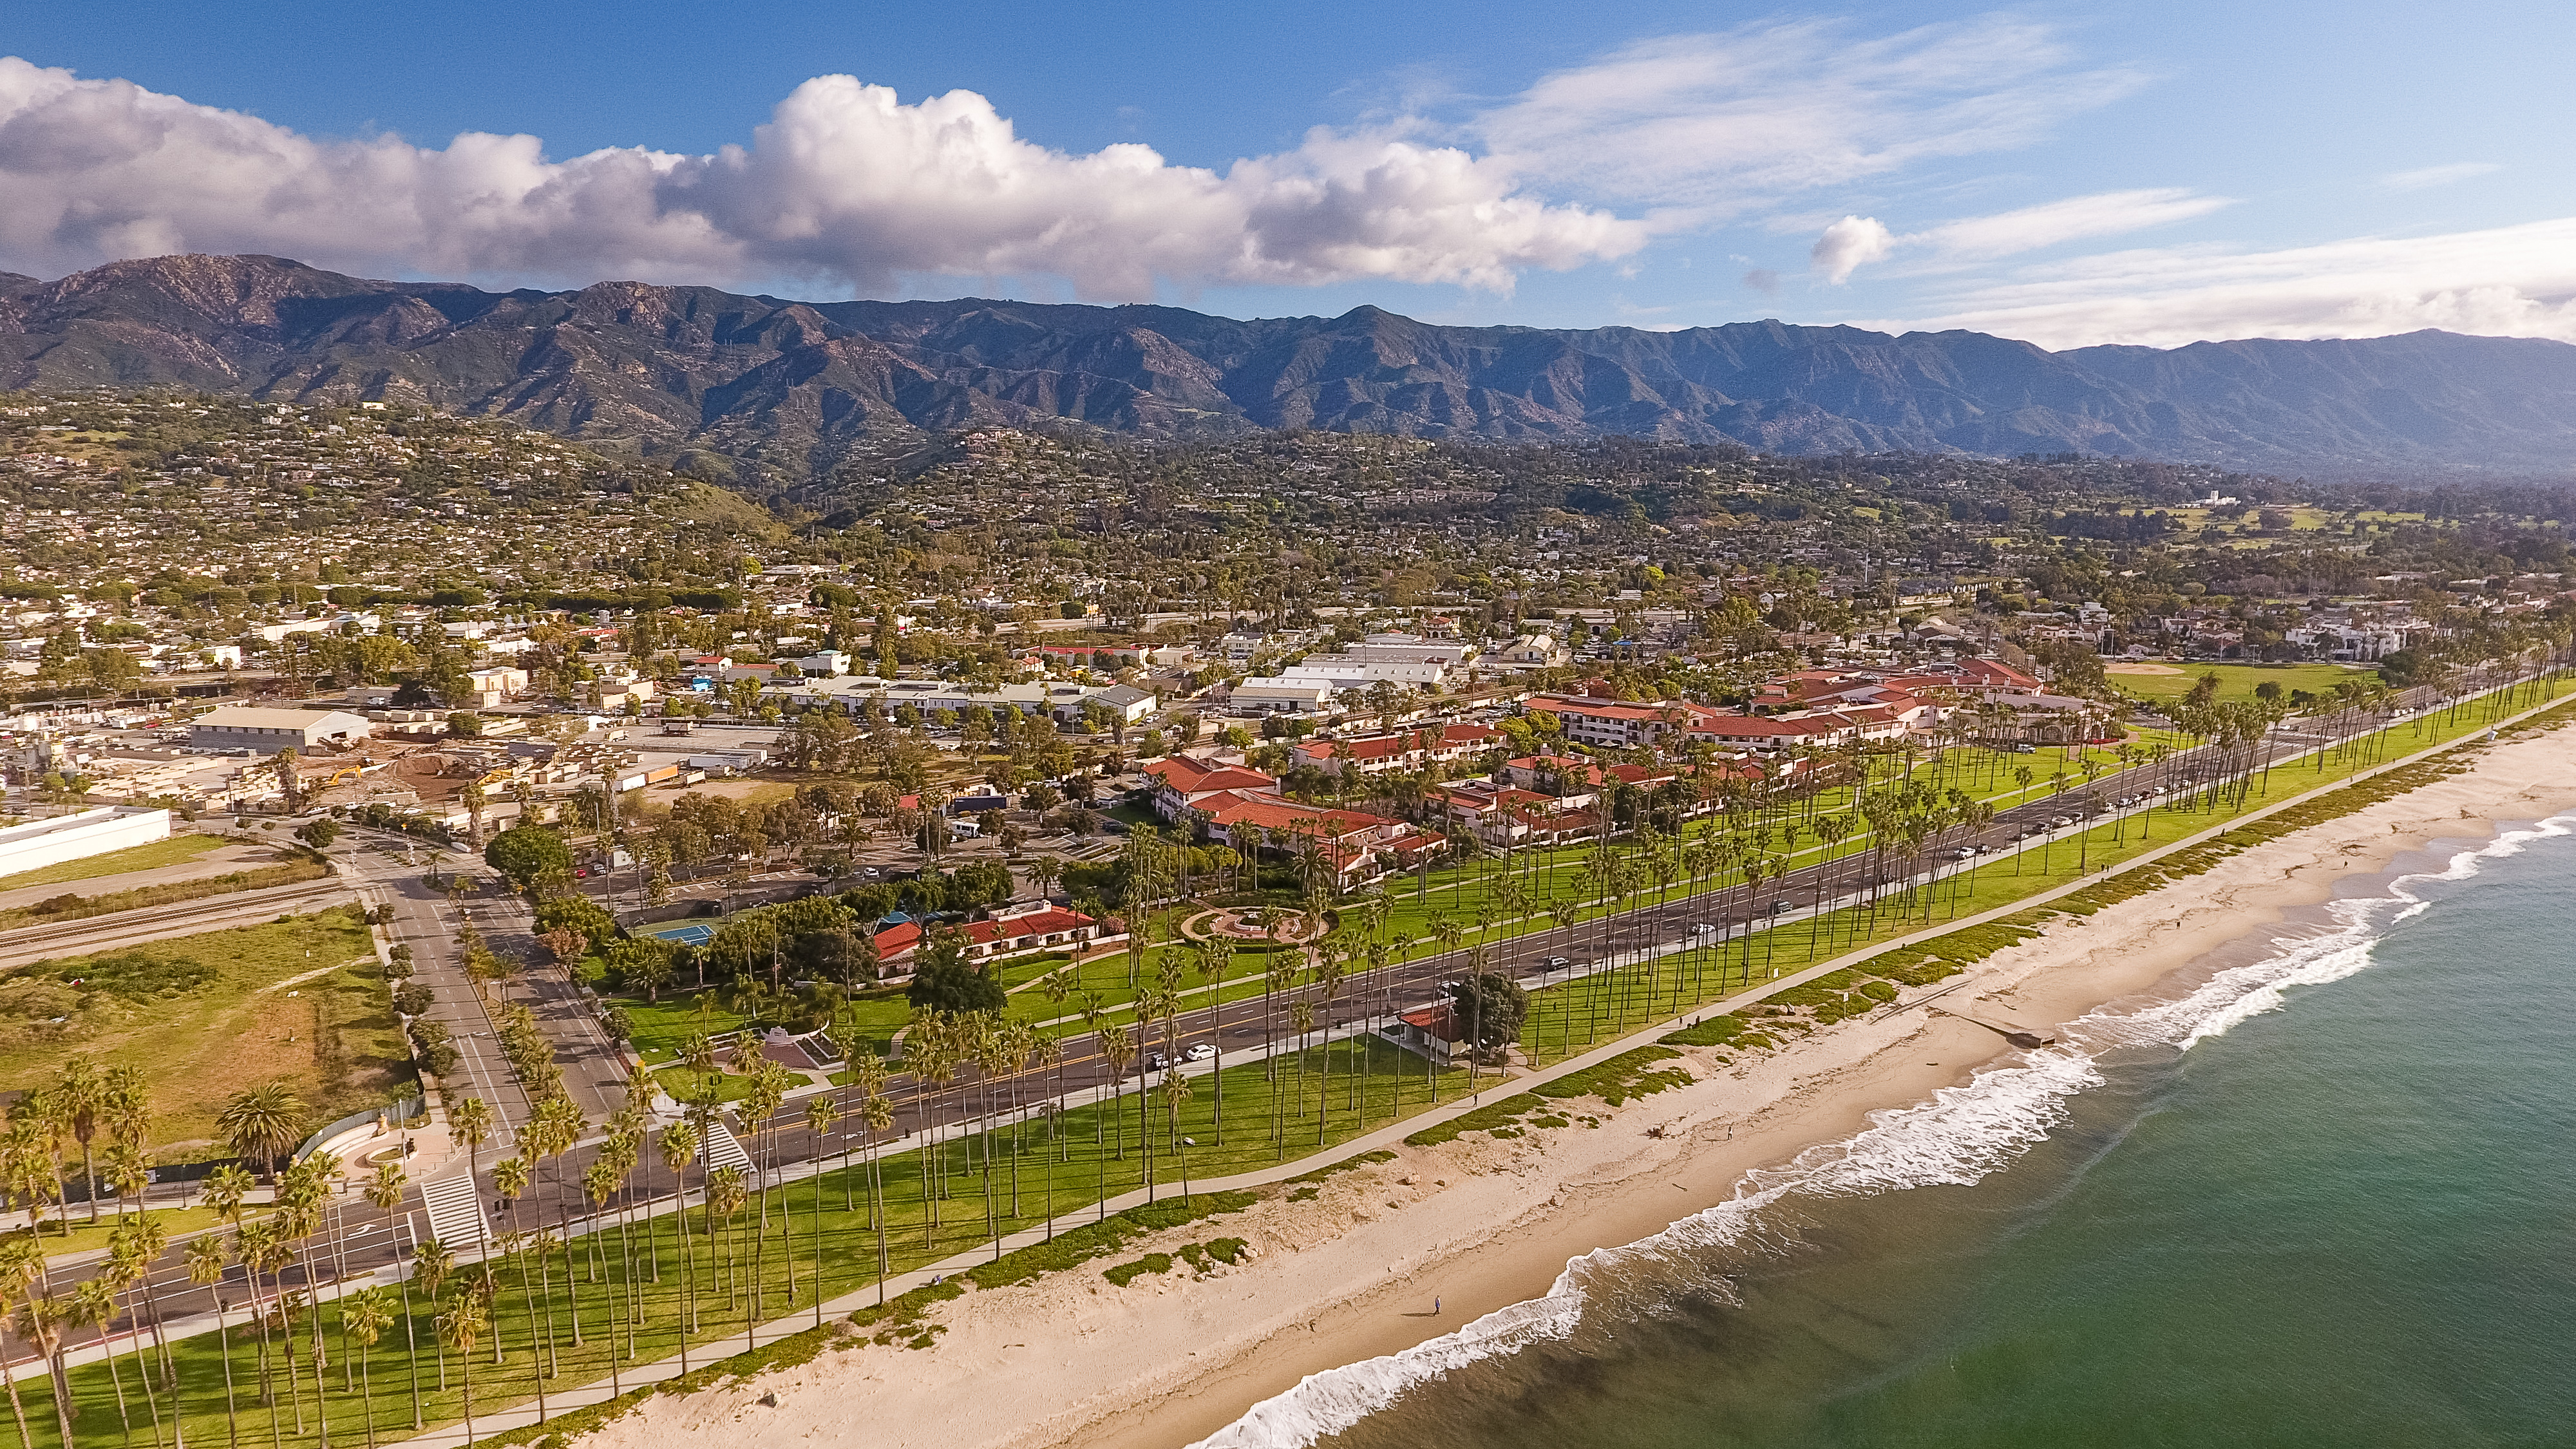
{"type": "Point", "coordinates": [1958, 1137]}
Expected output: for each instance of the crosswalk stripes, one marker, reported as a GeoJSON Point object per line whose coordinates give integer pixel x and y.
{"type": "Point", "coordinates": [722, 1150]}
{"type": "Point", "coordinates": [455, 1212]}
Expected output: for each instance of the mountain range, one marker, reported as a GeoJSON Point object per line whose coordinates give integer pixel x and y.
{"type": "Point", "coordinates": [787, 387]}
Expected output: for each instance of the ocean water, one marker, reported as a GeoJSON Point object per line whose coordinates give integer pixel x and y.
{"type": "Point", "coordinates": [2327, 1197]}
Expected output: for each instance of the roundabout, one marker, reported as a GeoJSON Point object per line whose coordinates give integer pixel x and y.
{"type": "Point", "coordinates": [1283, 925]}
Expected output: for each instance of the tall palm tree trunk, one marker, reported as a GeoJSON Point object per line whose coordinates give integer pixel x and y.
{"type": "Point", "coordinates": [17, 1408]}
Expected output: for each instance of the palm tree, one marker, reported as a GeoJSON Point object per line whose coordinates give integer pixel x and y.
{"type": "Point", "coordinates": [130, 1169]}
{"type": "Point", "coordinates": [600, 1182]}
{"type": "Point", "coordinates": [22, 1266]}
{"type": "Point", "coordinates": [385, 1192]}
{"type": "Point", "coordinates": [877, 1115]}
{"type": "Point", "coordinates": [469, 1125]}
{"type": "Point", "coordinates": [262, 1248]}
{"type": "Point", "coordinates": [78, 1098]}
{"type": "Point", "coordinates": [461, 1328]}
{"type": "Point", "coordinates": [1176, 1095]}
{"type": "Point", "coordinates": [991, 1049]}
{"type": "Point", "coordinates": [226, 1189]}
{"type": "Point", "coordinates": [207, 1262]}
{"type": "Point", "coordinates": [725, 1195]}
{"type": "Point", "coordinates": [364, 1316]}
{"type": "Point", "coordinates": [263, 1124]}
{"type": "Point", "coordinates": [93, 1305]}
{"type": "Point", "coordinates": [433, 1263]}
{"type": "Point", "coordinates": [28, 1170]}
{"type": "Point", "coordinates": [759, 1112]}
{"type": "Point", "coordinates": [1214, 958]}
{"type": "Point", "coordinates": [510, 1179]}
{"type": "Point", "coordinates": [820, 1113]}
{"type": "Point", "coordinates": [1117, 1048]}
{"type": "Point", "coordinates": [679, 1148]}
{"type": "Point", "coordinates": [134, 1246]}
{"type": "Point", "coordinates": [47, 1320]}
{"type": "Point", "coordinates": [521, 1249]}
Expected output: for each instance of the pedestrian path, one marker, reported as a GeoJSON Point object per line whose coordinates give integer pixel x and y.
{"type": "Point", "coordinates": [456, 1218]}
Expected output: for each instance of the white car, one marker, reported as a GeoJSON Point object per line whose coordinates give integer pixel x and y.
{"type": "Point", "coordinates": [1198, 1053]}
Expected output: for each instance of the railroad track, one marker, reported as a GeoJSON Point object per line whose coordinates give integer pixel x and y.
{"type": "Point", "coordinates": [154, 922]}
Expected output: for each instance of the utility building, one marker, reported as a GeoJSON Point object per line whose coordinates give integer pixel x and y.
{"type": "Point", "coordinates": [267, 731]}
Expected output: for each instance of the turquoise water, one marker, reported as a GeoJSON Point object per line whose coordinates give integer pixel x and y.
{"type": "Point", "coordinates": [2327, 1199]}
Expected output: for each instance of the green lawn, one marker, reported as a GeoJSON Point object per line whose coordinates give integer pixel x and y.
{"type": "Point", "coordinates": [86, 1237]}
{"type": "Point", "coordinates": [662, 1029]}
{"type": "Point", "coordinates": [937, 1200]}
{"type": "Point", "coordinates": [944, 1195]}
{"type": "Point", "coordinates": [209, 1015]}
{"type": "Point", "coordinates": [177, 850]}
{"type": "Point", "coordinates": [2237, 681]}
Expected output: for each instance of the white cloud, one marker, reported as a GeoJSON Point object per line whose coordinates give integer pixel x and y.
{"type": "Point", "coordinates": [2437, 175]}
{"type": "Point", "coordinates": [2109, 213]}
{"type": "Point", "coordinates": [1701, 127]}
{"type": "Point", "coordinates": [844, 182]}
{"type": "Point", "coordinates": [1846, 245]}
{"type": "Point", "coordinates": [2517, 281]}
{"type": "Point", "coordinates": [1857, 240]}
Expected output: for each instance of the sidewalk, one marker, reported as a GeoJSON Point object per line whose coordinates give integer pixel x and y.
{"type": "Point", "coordinates": [1388, 1136]}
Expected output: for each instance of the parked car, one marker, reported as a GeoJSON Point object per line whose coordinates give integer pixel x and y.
{"type": "Point", "coordinates": [1554, 963]}
{"type": "Point", "coordinates": [1199, 1053]}
{"type": "Point", "coordinates": [1156, 1061]}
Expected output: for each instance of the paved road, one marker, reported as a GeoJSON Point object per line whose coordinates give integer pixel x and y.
{"type": "Point", "coordinates": [423, 918]}
{"type": "Point", "coordinates": [391, 871]}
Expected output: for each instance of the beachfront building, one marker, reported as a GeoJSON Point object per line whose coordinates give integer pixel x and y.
{"type": "Point", "coordinates": [1430, 1031]}
{"type": "Point", "coordinates": [1237, 806]}
{"type": "Point", "coordinates": [1507, 817]}
{"type": "Point", "coordinates": [1357, 846]}
{"type": "Point", "coordinates": [1615, 724]}
{"type": "Point", "coordinates": [1182, 782]}
{"type": "Point", "coordinates": [1022, 928]}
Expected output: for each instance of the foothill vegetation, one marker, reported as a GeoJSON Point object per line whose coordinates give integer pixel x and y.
{"type": "Point", "coordinates": [2192, 616]}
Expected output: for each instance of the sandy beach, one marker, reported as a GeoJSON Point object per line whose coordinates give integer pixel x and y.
{"type": "Point", "coordinates": [1352, 1272]}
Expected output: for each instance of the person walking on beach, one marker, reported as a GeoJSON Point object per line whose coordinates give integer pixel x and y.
{"type": "Point", "coordinates": [1435, 1305]}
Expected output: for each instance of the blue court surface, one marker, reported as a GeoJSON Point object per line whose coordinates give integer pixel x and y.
{"type": "Point", "coordinates": [685, 933]}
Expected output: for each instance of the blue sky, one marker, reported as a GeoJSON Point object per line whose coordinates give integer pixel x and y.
{"type": "Point", "coordinates": [2149, 173]}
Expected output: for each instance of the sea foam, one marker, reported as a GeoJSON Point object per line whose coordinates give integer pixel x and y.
{"type": "Point", "coordinates": [1958, 1137]}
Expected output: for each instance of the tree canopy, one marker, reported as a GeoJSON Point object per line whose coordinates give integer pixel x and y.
{"type": "Point", "coordinates": [1491, 1008]}
{"type": "Point", "coordinates": [947, 981]}
{"type": "Point", "coordinates": [524, 852]}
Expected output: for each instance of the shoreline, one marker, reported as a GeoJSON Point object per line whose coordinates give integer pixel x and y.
{"type": "Point", "coordinates": [1483, 1223]}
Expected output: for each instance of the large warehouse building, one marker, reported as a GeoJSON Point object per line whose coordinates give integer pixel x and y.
{"type": "Point", "coordinates": [267, 731]}
{"type": "Point", "coordinates": [40, 843]}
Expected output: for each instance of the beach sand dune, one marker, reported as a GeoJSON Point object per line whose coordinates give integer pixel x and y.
{"type": "Point", "coordinates": [1352, 1273]}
